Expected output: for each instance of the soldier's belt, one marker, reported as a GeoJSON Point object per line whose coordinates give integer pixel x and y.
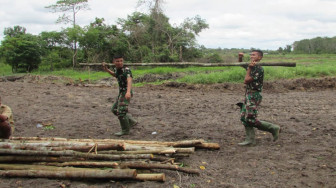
{"type": "Point", "coordinates": [252, 91]}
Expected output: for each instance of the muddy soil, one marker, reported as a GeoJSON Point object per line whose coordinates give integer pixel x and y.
{"type": "Point", "coordinates": [304, 156]}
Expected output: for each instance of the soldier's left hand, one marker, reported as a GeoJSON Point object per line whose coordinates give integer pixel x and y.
{"type": "Point", "coordinates": [128, 96]}
{"type": "Point", "coordinates": [252, 64]}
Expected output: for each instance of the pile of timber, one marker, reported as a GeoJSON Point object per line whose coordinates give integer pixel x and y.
{"type": "Point", "coordinates": [95, 158]}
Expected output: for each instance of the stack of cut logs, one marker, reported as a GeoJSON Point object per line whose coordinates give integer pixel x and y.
{"type": "Point", "coordinates": [95, 158]}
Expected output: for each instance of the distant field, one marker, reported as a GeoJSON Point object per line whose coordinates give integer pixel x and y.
{"type": "Point", "coordinates": [308, 66]}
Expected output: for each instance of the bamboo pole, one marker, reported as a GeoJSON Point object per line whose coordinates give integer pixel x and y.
{"type": "Point", "coordinates": [176, 64]}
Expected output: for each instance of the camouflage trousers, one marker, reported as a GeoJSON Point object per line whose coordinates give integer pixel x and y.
{"type": "Point", "coordinates": [249, 111]}
{"type": "Point", "coordinates": [120, 107]}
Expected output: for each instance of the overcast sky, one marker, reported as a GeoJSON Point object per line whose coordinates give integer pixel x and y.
{"type": "Point", "coordinates": [263, 24]}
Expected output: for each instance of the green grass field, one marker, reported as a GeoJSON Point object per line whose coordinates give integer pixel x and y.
{"type": "Point", "coordinates": [308, 66]}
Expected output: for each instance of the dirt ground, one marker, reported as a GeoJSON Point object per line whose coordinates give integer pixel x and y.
{"type": "Point", "coordinates": [304, 155]}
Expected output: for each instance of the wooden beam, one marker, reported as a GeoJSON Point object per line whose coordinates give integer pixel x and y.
{"type": "Point", "coordinates": [183, 64]}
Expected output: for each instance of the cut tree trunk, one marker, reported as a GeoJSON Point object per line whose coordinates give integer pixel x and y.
{"type": "Point", "coordinates": [183, 143]}
{"type": "Point", "coordinates": [104, 174]}
{"type": "Point", "coordinates": [151, 177]}
{"type": "Point", "coordinates": [183, 64]}
{"type": "Point", "coordinates": [167, 151]}
{"type": "Point", "coordinates": [157, 166]}
{"type": "Point", "coordinates": [75, 154]}
{"type": "Point", "coordinates": [58, 146]}
{"type": "Point", "coordinates": [13, 158]}
{"type": "Point", "coordinates": [208, 146]}
{"type": "Point", "coordinates": [84, 164]}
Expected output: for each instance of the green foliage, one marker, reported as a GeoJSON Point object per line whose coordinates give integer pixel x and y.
{"type": "Point", "coordinates": [316, 45]}
{"type": "Point", "coordinates": [15, 31]}
{"type": "Point", "coordinates": [163, 42]}
{"type": "Point", "coordinates": [5, 69]}
{"type": "Point", "coordinates": [69, 8]}
{"type": "Point", "coordinates": [308, 66]}
{"type": "Point", "coordinates": [21, 51]}
{"type": "Point", "coordinates": [214, 58]}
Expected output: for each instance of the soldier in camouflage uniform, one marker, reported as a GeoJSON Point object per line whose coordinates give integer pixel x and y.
{"type": "Point", "coordinates": [249, 110]}
{"type": "Point", "coordinates": [120, 107]}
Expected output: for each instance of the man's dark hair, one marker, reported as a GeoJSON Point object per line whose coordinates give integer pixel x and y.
{"type": "Point", "coordinates": [117, 56]}
{"type": "Point", "coordinates": [259, 52]}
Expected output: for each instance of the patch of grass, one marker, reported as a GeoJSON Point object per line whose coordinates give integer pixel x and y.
{"type": "Point", "coordinates": [308, 66]}
{"type": "Point", "coordinates": [5, 69]}
{"type": "Point", "coordinates": [75, 74]}
{"type": "Point", "coordinates": [232, 74]}
{"type": "Point", "coordinates": [49, 127]}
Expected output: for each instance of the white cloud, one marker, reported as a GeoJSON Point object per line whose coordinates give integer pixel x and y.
{"type": "Point", "coordinates": [264, 24]}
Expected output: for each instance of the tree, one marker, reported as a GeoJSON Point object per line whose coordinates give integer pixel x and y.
{"type": "Point", "coordinates": [21, 50]}
{"type": "Point", "coordinates": [288, 49]}
{"type": "Point", "coordinates": [153, 38]}
{"type": "Point", "coordinates": [56, 49]}
{"type": "Point", "coordinates": [100, 41]}
{"type": "Point", "coordinates": [15, 31]}
{"type": "Point", "coordinates": [72, 7]}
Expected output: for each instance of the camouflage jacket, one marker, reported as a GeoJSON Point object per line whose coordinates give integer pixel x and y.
{"type": "Point", "coordinates": [257, 73]}
{"type": "Point", "coordinates": [122, 75]}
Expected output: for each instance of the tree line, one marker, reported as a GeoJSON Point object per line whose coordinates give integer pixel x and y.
{"type": "Point", "coordinates": [141, 37]}
{"type": "Point", "coordinates": [316, 45]}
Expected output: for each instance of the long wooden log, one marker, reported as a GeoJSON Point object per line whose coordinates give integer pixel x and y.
{"type": "Point", "coordinates": [183, 143]}
{"type": "Point", "coordinates": [133, 147]}
{"type": "Point", "coordinates": [167, 151]}
{"type": "Point", "coordinates": [101, 174]}
{"type": "Point", "coordinates": [157, 166]}
{"type": "Point", "coordinates": [14, 158]}
{"type": "Point", "coordinates": [176, 64]}
{"type": "Point", "coordinates": [151, 177]}
{"type": "Point", "coordinates": [133, 165]}
{"type": "Point", "coordinates": [208, 146]}
{"type": "Point", "coordinates": [76, 154]}
{"type": "Point", "coordinates": [84, 164]}
{"type": "Point", "coordinates": [18, 166]}
{"type": "Point", "coordinates": [59, 146]}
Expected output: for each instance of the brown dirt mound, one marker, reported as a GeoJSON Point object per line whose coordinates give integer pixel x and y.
{"type": "Point", "coordinates": [302, 84]}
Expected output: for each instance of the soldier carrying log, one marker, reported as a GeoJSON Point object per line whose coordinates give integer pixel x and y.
{"type": "Point", "coordinates": [249, 109]}
{"type": "Point", "coordinates": [120, 107]}
{"type": "Point", "coordinates": [6, 121]}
